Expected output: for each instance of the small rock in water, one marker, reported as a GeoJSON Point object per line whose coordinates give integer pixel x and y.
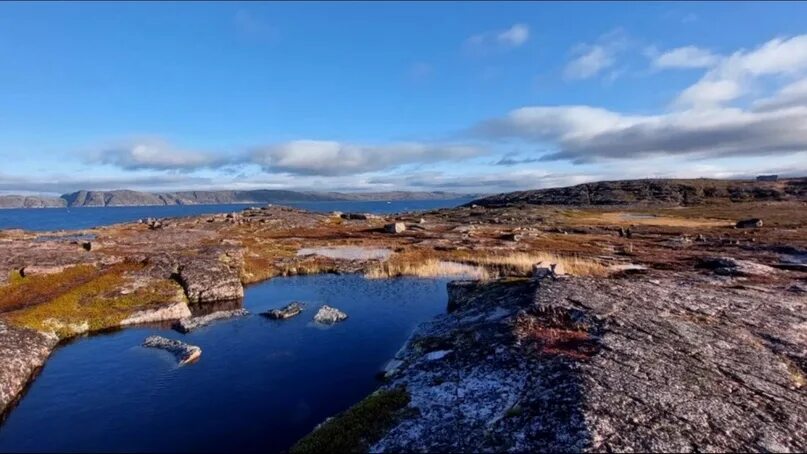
{"type": "Point", "coordinates": [288, 311]}
{"type": "Point", "coordinates": [184, 353]}
{"type": "Point", "coordinates": [188, 324]}
{"type": "Point", "coordinates": [329, 315]}
{"type": "Point", "coordinates": [439, 354]}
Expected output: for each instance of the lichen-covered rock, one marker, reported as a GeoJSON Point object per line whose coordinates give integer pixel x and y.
{"type": "Point", "coordinates": [287, 311]}
{"type": "Point", "coordinates": [728, 266]}
{"type": "Point", "coordinates": [185, 353]}
{"type": "Point", "coordinates": [22, 354]}
{"type": "Point", "coordinates": [329, 315]}
{"type": "Point", "coordinates": [672, 363]}
{"type": "Point", "coordinates": [188, 324]}
{"type": "Point", "coordinates": [207, 279]}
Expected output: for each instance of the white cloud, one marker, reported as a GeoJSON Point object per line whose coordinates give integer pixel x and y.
{"type": "Point", "coordinates": [514, 36]}
{"type": "Point", "coordinates": [685, 57]}
{"type": "Point", "coordinates": [316, 157]}
{"type": "Point", "coordinates": [584, 134]}
{"type": "Point", "coordinates": [733, 75]}
{"type": "Point", "coordinates": [792, 95]}
{"type": "Point", "coordinates": [592, 59]}
{"type": "Point", "coordinates": [490, 41]}
{"type": "Point", "coordinates": [155, 154]}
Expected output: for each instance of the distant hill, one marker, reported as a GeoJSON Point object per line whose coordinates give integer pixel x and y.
{"type": "Point", "coordinates": [672, 192]}
{"type": "Point", "coordinates": [125, 197]}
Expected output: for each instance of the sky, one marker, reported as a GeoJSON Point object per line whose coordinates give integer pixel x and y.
{"type": "Point", "coordinates": [362, 96]}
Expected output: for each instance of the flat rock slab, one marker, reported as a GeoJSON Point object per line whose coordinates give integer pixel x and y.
{"type": "Point", "coordinates": [328, 315]}
{"type": "Point", "coordinates": [22, 353]}
{"type": "Point", "coordinates": [185, 353]}
{"type": "Point", "coordinates": [288, 311]}
{"type": "Point", "coordinates": [189, 324]}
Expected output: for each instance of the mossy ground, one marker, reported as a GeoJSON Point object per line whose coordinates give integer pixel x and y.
{"type": "Point", "coordinates": [86, 299]}
{"type": "Point", "coordinates": [358, 427]}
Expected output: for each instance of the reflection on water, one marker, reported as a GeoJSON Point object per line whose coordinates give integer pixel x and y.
{"type": "Point", "coordinates": [259, 385]}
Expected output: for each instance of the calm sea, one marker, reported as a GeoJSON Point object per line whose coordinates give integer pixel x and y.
{"type": "Point", "coordinates": [48, 219]}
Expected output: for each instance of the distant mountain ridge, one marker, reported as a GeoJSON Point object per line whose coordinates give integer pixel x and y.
{"type": "Point", "coordinates": [124, 197]}
{"type": "Point", "coordinates": [671, 192]}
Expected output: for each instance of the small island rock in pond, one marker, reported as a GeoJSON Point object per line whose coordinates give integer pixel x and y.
{"type": "Point", "coordinates": [288, 311]}
{"type": "Point", "coordinates": [188, 324]}
{"type": "Point", "coordinates": [329, 315]}
{"type": "Point", "coordinates": [184, 353]}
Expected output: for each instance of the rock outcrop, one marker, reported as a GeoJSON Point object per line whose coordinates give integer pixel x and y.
{"type": "Point", "coordinates": [22, 354]}
{"type": "Point", "coordinates": [669, 363]}
{"type": "Point", "coordinates": [328, 315]}
{"type": "Point", "coordinates": [670, 192]}
{"type": "Point", "coordinates": [185, 353]}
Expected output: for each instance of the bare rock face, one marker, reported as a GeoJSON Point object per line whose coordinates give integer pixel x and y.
{"type": "Point", "coordinates": [288, 311]}
{"type": "Point", "coordinates": [185, 353]}
{"type": "Point", "coordinates": [210, 279]}
{"type": "Point", "coordinates": [673, 363]}
{"type": "Point", "coordinates": [22, 354]}
{"type": "Point", "coordinates": [328, 315]}
{"type": "Point", "coordinates": [188, 324]}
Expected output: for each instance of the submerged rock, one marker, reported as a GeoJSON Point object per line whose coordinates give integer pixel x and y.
{"type": "Point", "coordinates": [188, 324]}
{"type": "Point", "coordinates": [329, 315]}
{"type": "Point", "coordinates": [288, 311]}
{"type": "Point", "coordinates": [185, 353]}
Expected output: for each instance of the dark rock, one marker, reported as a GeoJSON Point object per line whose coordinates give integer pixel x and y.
{"type": "Point", "coordinates": [288, 311]}
{"type": "Point", "coordinates": [749, 224]}
{"type": "Point", "coordinates": [208, 279]}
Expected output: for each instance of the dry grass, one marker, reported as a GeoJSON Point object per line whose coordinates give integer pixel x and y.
{"type": "Point", "coordinates": [522, 262]}
{"type": "Point", "coordinates": [639, 218]}
{"type": "Point", "coordinates": [427, 268]}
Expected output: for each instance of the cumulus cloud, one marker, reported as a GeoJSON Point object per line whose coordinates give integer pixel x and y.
{"type": "Point", "coordinates": [510, 38]}
{"type": "Point", "coordinates": [685, 57]}
{"type": "Point", "coordinates": [155, 154]}
{"type": "Point", "coordinates": [584, 134]}
{"type": "Point", "coordinates": [733, 75]}
{"type": "Point", "coordinates": [591, 59]}
{"type": "Point", "coordinates": [317, 157]}
{"type": "Point", "coordinates": [791, 95]}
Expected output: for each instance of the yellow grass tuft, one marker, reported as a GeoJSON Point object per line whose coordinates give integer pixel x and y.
{"type": "Point", "coordinates": [426, 268]}
{"type": "Point", "coordinates": [522, 263]}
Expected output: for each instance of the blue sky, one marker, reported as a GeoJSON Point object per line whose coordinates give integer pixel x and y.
{"type": "Point", "coordinates": [380, 96]}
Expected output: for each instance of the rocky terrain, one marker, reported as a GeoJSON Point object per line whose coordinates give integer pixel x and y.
{"type": "Point", "coordinates": [651, 326]}
{"type": "Point", "coordinates": [135, 198]}
{"type": "Point", "coordinates": [657, 192]}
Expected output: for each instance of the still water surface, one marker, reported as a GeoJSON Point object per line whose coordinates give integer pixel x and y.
{"type": "Point", "coordinates": [48, 219]}
{"type": "Point", "coordinates": [259, 386]}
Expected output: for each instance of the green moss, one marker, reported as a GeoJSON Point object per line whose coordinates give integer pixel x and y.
{"type": "Point", "coordinates": [14, 277]}
{"type": "Point", "coordinates": [31, 290]}
{"type": "Point", "coordinates": [98, 304]}
{"type": "Point", "coordinates": [357, 428]}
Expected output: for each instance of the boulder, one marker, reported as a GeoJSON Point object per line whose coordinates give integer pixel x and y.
{"type": "Point", "coordinates": [355, 216]}
{"type": "Point", "coordinates": [288, 311]}
{"type": "Point", "coordinates": [395, 227]}
{"type": "Point", "coordinates": [728, 266]}
{"type": "Point", "coordinates": [185, 353]}
{"type": "Point", "coordinates": [753, 223]}
{"type": "Point", "coordinates": [208, 280]}
{"type": "Point", "coordinates": [188, 324]}
{"type": "Point", "coordinates": [329, 315]}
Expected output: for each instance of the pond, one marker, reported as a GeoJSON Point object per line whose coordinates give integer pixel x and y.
{"type": "Point", "coordinates": [259, 385]}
